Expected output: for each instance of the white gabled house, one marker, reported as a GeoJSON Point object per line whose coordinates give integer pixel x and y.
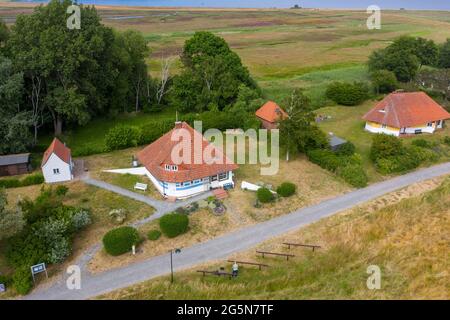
{"type": "Point", "coordinates": [57, 164]}
{"type": "Point", "coordinates": [186, 179]}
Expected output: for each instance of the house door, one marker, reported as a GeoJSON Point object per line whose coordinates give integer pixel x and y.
{"type": "Point", "coordinates": [402, 130]}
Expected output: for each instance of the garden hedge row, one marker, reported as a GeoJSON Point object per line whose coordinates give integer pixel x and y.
{"type": "Point", "coordinates": [30, 180]}
{"type": "Point", "coordinates": [348, 168]}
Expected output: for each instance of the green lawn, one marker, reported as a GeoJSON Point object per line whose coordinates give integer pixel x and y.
{"type": "Point", "coordinates": [93, 134]}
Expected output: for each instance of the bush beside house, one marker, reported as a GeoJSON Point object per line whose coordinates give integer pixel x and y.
{"type": "Point", "coordinates": [174, 224]}
{"type": "Point", "coordinates": [264, 195]}
{"type": "Point", "coordinates": [120, 240]}
{"type": "Point", "coordinates": [286, 189]}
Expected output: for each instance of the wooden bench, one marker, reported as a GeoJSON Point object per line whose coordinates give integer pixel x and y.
{"type": "Point", "coordinates": [260, 265]}
{"type": "Point", "coordinates": [314, 247]}
{"type": "Point", "coordinates": [287, 255]}
{"type": "Point", "coordinates": [216, 273]}
{"type": "Point", "coordinates": [140, 186]}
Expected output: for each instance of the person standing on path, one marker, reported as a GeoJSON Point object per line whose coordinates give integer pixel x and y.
{"type": "Point", "coordinates": [235, 269]}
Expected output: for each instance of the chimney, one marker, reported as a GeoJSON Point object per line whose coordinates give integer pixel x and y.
{"type": "Point", "coordinates": [178, 125]}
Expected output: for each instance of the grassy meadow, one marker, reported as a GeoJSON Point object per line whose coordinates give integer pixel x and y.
{"type": "Point", "coordinates": [404, 233]}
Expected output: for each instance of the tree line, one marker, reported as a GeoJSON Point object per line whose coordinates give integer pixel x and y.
{"type": "Point", "coordinates": [53, 77]}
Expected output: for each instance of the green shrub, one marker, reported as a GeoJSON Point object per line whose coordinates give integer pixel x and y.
{"type": "Point", "coordinates": [422, 143]}
{"type": "Point", "coordinates": [174, 224]}
{"type": "Point", "coordinates": [154, 235]}
{"type": "Point", "coordinates": [33, 179]}
{"type": "Point", "coordinates": [29, 180]}
{"type": "Point", "coordinates": [385, 146]}
{"type": "Point", "coordinates": [286, 189]}
{"type": "Point", "coordinates": [447, 140]}
{"type": "Point", "coordinates": [61, 190]}
{"type": "Point", "coordinates": [325, 158]}
{"type": "Point", "coordinates": [150, 132]}
{"type": "Point", "coordinates": [264, 195]}
{"type": "Point", "coordinates": [6, 280]}
{"type": "Point", "coordinates": [120, 240]}
{"type": "Point", "coordinates": [354, 175]}
{"type": "Point", "coordinates": [122, 137]}
{"type": "Point", "coordinates": [348, 94]}
{"type": "Point", "coordinates": [22, 280]}
{"type": "Point", "coordinates": [346, 149]}
{"type": "Point", "coordinates": [9, 183]}
{"type": "Point", "coordinates": [384, 81]}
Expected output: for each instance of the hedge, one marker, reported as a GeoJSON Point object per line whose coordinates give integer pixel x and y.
{"type": "Point", "coordinates": [29, 180]}
{"type": "Point", "coordinates": [348, 94]}
{"type": "Point", "coordinates": [354, 175]}
{"type": "Point", "coordinates": [264, 195]}
{"type": "Point", "coordinates": [154, 235]}
{"type": "Point", "coordinates": [120, 240]}
{"type": "Point", "coordinates": [174, 224]}
{"type": "Point", "coordinates": [122, 137]}
{"type": "Point", "coordinates": [286, 189]}
{"type": "Point", "coordinates": [347, 167]}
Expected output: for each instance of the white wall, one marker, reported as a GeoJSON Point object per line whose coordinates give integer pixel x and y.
{"type": "Point", "coordinates": [54, 162]}
{"type": "Point", "coordinates": [382, 130]}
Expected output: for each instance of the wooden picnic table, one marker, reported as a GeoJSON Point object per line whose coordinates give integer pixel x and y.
{"type": "Point", "coordinates": [260, 265]}
{"type": "Point", "coordinates": [216, 273]}
{"type": "Point", "coordinates": [287, 255]}
{"type": "Point", "coordinates": [289, 244]}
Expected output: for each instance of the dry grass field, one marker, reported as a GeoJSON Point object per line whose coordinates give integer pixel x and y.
{"type": "Point", "coordinates": [404, 233]}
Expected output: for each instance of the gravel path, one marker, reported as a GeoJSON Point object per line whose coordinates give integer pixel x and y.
{"type": "Point", "coordinates": [221, 247]}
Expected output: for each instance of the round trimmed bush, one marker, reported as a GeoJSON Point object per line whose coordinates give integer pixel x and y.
{"type": "Point", "coordinates": [174, 224]}
{"type": "Point", "coordinates": [264, 195]}
{"type": "Point", "coordinates": [286, 189]}
{"type": "Point", "coordinates": [154, 235]}
{"type": "Point", "coordinates": [120, 240]}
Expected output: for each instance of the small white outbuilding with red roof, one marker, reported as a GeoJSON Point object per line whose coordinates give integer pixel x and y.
{"type": "Point", "coordinates": [57, 164]}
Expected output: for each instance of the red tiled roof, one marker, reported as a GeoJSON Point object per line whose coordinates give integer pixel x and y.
{"type": "Point", "coordinates": [271, 112]}
{"type": "Point", "coordinates": [406, 109]}
{"type": "Point", "coordinates": [155, 156]}
{"type": "Point", "coordinates": [58, 148]}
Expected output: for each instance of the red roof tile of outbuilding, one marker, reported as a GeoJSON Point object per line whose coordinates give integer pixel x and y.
{"type": "Point", "coordinates": [271, 112]}
{"type": "Point", "coordinates": [159, 154]}
{"type": "Point", "coordinates": [58, 148]}
{"type": "Point", "coordinates": [406, 109]}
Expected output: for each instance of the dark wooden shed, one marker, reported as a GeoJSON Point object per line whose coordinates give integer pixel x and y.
{"type": "Point", "coordinates": [15, 164]}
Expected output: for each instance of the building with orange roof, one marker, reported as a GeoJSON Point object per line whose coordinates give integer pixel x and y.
{"type": "Point", "coordinates": [57, 164]}
{"type": "Point", "coordinates": [194, 174]}
{"type": "Point", "coordinates": [269, 114]}
{"type": "Point", "coordinates": [406, 113]}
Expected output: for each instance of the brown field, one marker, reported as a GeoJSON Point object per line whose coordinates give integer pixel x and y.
{"type": "Point", "coordinates": [404, 233]}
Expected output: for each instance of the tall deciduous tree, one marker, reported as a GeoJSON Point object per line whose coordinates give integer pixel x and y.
{"type": "Point", "coordinates": [69, 72]}
{"type": "Point", "coordinates": [14, 122]}
{"type": "Point", "coordinates": [298, 131]}
{"type": "Point", "coordinates": [212, 74]}
{"type": "Point", "coordinates": [404, 57]}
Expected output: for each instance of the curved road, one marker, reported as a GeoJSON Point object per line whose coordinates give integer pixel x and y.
{"type": "Point", "coordinates": [223, 246]}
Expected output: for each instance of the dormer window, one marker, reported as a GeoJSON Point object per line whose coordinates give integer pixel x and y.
{"type": "Point", "coordinates": [169, 167]}
{"type": "Point", "coordinates": [382, 111]}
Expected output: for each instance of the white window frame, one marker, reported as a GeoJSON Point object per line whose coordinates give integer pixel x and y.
{"type": "Point", "coordinates": [383, 126]}
{"type": "Point", "coordinates": [174, 168]}
{"type": "Point", "coordinates": [222, 174]}
{"type": "Point", "coordinates": [429, 124]}
{"type": "Point", "coordinates": [56, 171]}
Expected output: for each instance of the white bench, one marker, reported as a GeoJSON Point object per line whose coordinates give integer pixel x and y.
{"type": "Point", "coordinates": [140, 186]}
